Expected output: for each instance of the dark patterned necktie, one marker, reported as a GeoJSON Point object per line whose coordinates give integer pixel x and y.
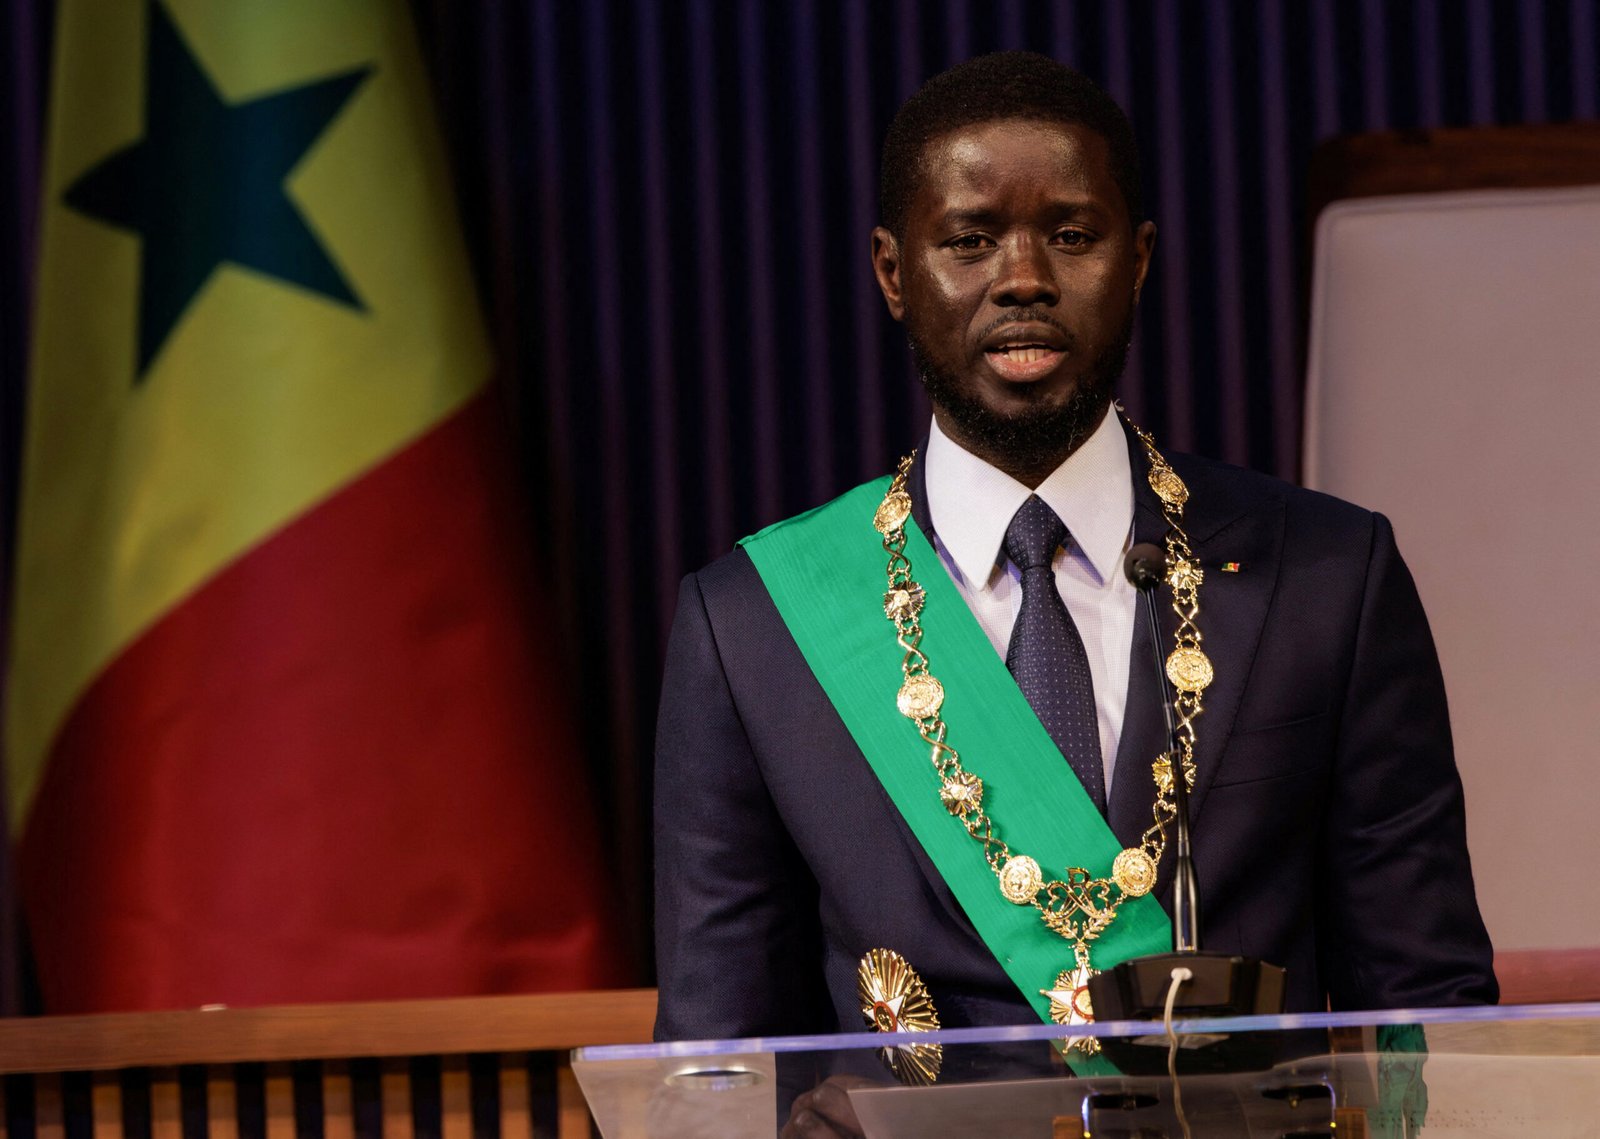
{"type": "Point", "coordinates": [1046, 653]}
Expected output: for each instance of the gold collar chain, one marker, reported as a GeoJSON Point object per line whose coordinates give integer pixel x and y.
{"type": "Point", "coordinates": [1080, 907]}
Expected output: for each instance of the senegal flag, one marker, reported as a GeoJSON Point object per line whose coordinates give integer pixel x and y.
{"type": "Point", "coordinates": [279, 722]}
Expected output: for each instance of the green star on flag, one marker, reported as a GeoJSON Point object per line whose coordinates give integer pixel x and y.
{"type": "Point", "coordinates": [205, 185]}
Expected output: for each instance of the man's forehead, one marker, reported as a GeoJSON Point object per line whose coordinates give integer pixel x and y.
{"type": "Point", "coordinates": [987, 132]}
{"type": "Point", "coordinates": [979, 146]}
{"type": "Point", "coordinates": [1067, 160]}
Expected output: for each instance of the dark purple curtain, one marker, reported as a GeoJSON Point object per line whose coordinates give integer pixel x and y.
{"type": "Point", "coordinates": [24, 50]}
{"type": "Point", "coordinates": [668, 203]}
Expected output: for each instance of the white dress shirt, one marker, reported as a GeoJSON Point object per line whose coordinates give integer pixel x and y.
{"type": "Point", "coordinates": [971, 504]}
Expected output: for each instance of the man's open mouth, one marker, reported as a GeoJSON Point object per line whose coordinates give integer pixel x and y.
{"type": "Point", "coordinates": [1024, 353]}
{"type": "Point", "coordinates": [1023, 362]}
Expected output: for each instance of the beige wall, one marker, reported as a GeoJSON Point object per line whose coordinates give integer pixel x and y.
{"type": "Point", "coordinates": [1454, 385]}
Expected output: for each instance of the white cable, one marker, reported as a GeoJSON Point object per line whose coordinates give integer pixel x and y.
{"type": "Point", "coordinates": [1179, 976]}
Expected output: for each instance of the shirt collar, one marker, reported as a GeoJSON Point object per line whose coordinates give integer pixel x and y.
{"type": "Point", "coordinates": [971, 503]}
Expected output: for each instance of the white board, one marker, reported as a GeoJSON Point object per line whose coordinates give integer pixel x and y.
{"type": "Point", "coordinates": [1454, 385]}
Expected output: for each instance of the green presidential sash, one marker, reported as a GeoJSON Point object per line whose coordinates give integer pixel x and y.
{"type": "Point", "coordinates": [825, 572]}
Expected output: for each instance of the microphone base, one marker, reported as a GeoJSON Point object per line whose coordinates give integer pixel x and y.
{"type": "Point", "coordinates": [1222, 985]}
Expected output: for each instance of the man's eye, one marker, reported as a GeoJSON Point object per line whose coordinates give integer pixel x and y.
{"type": "Point", "coordinates": [970, 241]}
{"type": "Point", "coordinates": [1073, 238]}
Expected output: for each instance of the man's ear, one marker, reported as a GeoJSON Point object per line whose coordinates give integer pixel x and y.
{"type": "Point", "coordinates": [1144, 246]}
{"type": "Point", "coordinates": [886, 267]}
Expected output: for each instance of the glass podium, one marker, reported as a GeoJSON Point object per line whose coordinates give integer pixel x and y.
{"type": "Point", "coordinates": [1515, 1071]}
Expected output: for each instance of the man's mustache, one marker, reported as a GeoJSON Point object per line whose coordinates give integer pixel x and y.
{"type": "Point", "coordinates": [1030, 316]}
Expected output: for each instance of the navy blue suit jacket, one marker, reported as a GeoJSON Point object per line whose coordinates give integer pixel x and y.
{"type": "Point", "coordinates": [1328, 826]}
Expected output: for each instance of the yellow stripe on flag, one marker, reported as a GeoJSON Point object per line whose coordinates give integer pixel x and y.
{"type": "Point", "coordinates": [265, 396]}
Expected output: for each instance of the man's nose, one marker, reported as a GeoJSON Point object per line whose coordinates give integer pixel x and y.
{"type": "Point", "coordinates": [1026, 275]}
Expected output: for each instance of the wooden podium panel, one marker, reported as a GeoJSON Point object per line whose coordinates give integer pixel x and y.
{"type": "Point", "coordinates": [475, 1068]}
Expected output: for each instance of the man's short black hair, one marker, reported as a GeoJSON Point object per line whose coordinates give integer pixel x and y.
{"type": "Point", "coordinates": [1003, 85]}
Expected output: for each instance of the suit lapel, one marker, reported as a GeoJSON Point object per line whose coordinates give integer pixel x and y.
{"type": "Point", "coordinates": [1225, 523]}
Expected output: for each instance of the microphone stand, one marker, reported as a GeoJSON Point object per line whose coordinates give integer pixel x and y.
{"type": "Point", "coordinates": [1217, 984]}
{"type": "Point", "coordinates": [1185, 883]}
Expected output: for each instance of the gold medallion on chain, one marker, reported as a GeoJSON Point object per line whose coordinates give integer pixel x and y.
{"type": "Point", "coordinates": [1020, 880]}
{"type": "Point", "coordinates": [1189, 670]}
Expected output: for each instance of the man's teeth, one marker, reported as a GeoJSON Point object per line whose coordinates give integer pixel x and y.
{"type": "Point", "coordinates": [1024, 354]}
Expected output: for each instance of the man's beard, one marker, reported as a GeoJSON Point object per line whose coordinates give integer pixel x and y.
{"type": "Point", "coordinates": [1039, 436]}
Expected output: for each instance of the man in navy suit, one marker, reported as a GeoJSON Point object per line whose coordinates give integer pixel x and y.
{"type": "Point", "coordinates": [1328, 824]}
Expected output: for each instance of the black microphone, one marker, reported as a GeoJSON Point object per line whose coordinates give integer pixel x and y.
{"type": "Point", "coordinates": [1212, 984]}
{"type": "Point", "coordinates": [1145, 566]}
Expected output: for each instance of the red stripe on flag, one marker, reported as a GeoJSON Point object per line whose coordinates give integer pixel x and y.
{"type": "Point", "coordinates": [343, 769]}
